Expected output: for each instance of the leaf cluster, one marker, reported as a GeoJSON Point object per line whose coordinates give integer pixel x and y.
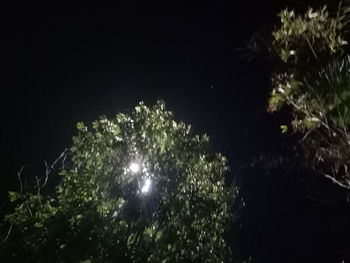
{"type": "Point", "coordinates": [100, 213]}
{"type": "Point", "coordinates": [313, 80]}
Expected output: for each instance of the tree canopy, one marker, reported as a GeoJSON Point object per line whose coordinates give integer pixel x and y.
{"type": "Point", "coordinates": [312, 78]}
{"type": "Point", "coordinates": [140, 187]}
{"type": "Point", "coordinates": [143, 187]}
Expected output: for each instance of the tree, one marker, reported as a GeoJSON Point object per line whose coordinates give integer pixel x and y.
{"type": "Point", "coordinates": [140, 188]}
{"type": "Point", "coordinates": [313, 80]}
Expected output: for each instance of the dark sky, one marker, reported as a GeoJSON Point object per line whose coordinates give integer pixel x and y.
{"type": "Point", "coordinates": [67, 63]}
{"type": "Point", "coordinates": [64, 63]}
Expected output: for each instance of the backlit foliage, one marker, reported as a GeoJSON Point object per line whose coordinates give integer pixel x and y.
{"type": "Point", "coordinates": [313, 80]}
{"type": "Point", "coordinates": [100, 214]}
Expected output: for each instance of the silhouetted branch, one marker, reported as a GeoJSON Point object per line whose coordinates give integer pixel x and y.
{"type": "Point", "coordinates": [335, 181]}
{"type": "Point", "coordinates": [48, 169]}
{"type": "Point", "coordinates": [7, 235]}
{"type": "Point", "coordinates": [19, 173]}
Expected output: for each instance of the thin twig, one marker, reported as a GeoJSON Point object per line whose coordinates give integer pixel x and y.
{"type": "Point", "coordinates": [7, 235]}
{"type": "Point", "coordinates": [310, 46]}
{"type": "Point", "coordinates": [39, 188]}
{"type": "Point", "coordinates": [29, 210]}
{"type": "Point", "coordinates": [19, 173]}
{"type": "Point", "coordinates": [47, 172]}
{"type": "Point", "coordinates": [335, 181]}
{"type": "Point", "coordinates": [306, 134]}
{"type": "Point", "coordinates": [52, 166]}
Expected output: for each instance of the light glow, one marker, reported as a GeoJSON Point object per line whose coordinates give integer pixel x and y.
{"type": "Point", "coordinates": [115, 214]}
{"type": "Point", "coordinates": [146, 187]}
{"type": "Point", "coordinates": [134, 167]}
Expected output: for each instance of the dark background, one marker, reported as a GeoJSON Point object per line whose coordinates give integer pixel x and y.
{"type": "Point", "coordinates": [64, 63]}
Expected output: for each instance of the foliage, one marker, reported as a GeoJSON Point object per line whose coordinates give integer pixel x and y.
{"type": "Point", "coordinates": [99, 212]}
{"type": "Point", "coordinates": [313, 80]}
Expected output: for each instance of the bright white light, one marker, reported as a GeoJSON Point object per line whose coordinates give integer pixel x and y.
{"type": "Point", "coordinates": [134, 167]}
{"type": "Point", "coordinates": [146, 186]}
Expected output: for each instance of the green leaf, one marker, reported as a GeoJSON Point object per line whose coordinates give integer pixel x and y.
{"type": "Point", "coordinates": [80, 126]}
{"type": "Point", "coordinates": [13, 196]}
{"type": "Point", "coordinates": [284, 129]}
{"type": "Point", "coordinates": [38, 225]}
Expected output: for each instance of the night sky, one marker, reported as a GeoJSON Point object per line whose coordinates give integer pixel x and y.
{"type": "Point", "coordinates": [64, 63]}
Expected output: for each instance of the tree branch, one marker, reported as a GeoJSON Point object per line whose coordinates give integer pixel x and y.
{"type": "Point", "coordinates": [19, 173]}
{"type": "Point", "coordinates": [7, 235]}
{"type": "Point", "coordinates": [335, 181]}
